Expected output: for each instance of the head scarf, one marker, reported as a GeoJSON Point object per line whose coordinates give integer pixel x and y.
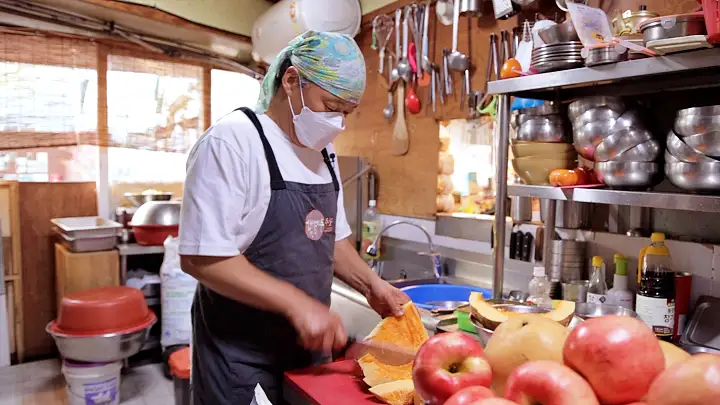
{"type": "Point", "coordinates": [330, 60]}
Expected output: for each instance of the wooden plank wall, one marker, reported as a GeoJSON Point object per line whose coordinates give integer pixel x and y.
{"type": "Point", "coordinates": [39, 203]}
{"type": "Point", "coordinates": [407, 183]}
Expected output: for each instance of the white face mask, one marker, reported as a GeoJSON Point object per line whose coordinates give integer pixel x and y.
{"type": "Point", "coordinates": [316, 129]}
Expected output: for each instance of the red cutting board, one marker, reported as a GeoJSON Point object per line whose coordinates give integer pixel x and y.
{"type": "Point", "coordinates": [331, 384]}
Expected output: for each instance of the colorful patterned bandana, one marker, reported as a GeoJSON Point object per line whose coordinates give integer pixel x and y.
{"type": "Point", "coordinates": [330, 60]}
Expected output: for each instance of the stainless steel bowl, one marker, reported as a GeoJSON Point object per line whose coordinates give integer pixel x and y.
{"type": "Point", "coordinates": [485, 334]}
{"type": "Point", "coordinates": [157, 213]}
{"type": "Point", "coordinates": [707, 144]}
{"type": "Point", "coordinates": [541, 129]}
{"type": "Point", "coordinates": [628, 119]}
{"type": "Point", "coordinates": [138, 199]}
{"type": "Point", "coordinates": [682, 152]}
{"type": "Point", "coordinates": [596, 114]}
{"type": "Point", "coordinates": [578, 107]}
{"type": "Point", "coordinates": [708, 110]}
{"type": "Point", "coordinates": [688, 125]}
{"type": "Point", "coordinates": [673, 27]}
{"type": "Point", "coordinates": [586, 310]}
{"type": "Point", "coordinates": [545, 109]}
{"type": "Point", "coordinates": [618, 142]}
{"type": "Point", "coordinates": [522, 117]}
{"type": "Point", "coordinates": [633, 175]}
{"type": "Point", "coordinates": [671, 159]}
{"type": "Point", "coordinates": [647, 151]}
{"type": "Point", "coordinates": [700, 177]}
{"type": "Point", "coordinates": [587, 137]}
{"type": "Point", "coordinates": [606, 55]}
{"type": "Point", "coordinates": [100, 349]}
{"type": "Point", "coordinates": [558, 33]}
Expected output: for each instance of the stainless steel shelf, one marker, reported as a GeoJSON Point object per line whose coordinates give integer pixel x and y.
{"type": "Point", "coordinates": [650, 199]}
{"type": "Point", "coordinates": [133, 249]}
{"type": "Point", "coordinates": [687, 70]}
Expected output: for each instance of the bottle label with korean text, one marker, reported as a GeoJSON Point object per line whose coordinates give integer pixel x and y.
{"type": "Point", "coordinates": [657, 313]}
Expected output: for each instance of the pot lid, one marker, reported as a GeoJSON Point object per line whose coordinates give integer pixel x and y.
{"type": "Point", "coordinates": [672, 20]}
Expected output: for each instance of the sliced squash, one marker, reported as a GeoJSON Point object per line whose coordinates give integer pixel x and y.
{"type": "Point", "coordinates": [406, 331]}
{"type": "Point", "coordinates": [490, 317]}
{"type": "Point", "coordinates": [395, 393]}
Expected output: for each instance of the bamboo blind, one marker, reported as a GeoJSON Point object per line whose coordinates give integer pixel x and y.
{"type": "Point", "coordinates": [51, 93]}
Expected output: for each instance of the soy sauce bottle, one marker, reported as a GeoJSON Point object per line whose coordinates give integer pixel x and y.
{"type": "Point", "coordinates": [655, 301]}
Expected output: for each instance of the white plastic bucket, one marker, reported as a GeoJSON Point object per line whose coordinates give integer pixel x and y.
{"type": "Point", "coordinates": [92, 383]}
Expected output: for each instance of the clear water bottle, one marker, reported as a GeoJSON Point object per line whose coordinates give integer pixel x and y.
{"type": "Point", "coordinates": [371, 226]}
{"type": "Point", "coordinates": [540, 288]}
{"type": "Point", "coordinates": [597, 291]}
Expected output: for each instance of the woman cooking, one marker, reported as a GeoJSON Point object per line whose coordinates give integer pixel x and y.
{"type": "Point", "coordinates": [263, 227]}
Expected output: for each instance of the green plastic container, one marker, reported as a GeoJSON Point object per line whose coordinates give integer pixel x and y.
{"type": "Point", "coordinates": [463, 321]}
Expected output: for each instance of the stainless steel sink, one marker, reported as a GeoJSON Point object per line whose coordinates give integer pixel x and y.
{"type": "Point", "coordinates": [427, 281]}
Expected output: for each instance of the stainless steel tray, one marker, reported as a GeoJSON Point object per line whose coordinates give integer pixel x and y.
{"type": "Point", "coordinates": [703, 329]}
{"type": "Point", "coordinates": [82, 245]}
{"type": "Point", "coordinates": [86, 227]}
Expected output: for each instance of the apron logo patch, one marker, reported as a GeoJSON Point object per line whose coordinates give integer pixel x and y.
{"type": "Point", "coordinates": [316, 224]}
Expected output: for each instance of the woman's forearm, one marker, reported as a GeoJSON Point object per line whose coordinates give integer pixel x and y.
{"type": "Point", "coordinates": [238, 279]}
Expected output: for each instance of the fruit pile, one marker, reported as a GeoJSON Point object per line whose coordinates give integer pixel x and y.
{"type": "Point", "coordinates": [533, 360]}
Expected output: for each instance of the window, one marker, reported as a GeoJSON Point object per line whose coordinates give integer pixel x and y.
{"type": "Point", "coordinates": [231, 90]}
{"type": "Point", "coordinates": [154, 105]}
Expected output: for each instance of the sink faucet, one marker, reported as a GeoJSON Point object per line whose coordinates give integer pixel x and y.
{"type": "Point", "coordinates": [437, 265]}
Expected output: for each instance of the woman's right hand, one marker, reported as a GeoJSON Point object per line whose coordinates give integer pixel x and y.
{"type": "Point", "coordinates": [318, 328]}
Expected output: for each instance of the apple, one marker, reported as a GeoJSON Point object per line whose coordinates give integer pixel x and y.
{"type": "Point", "coordinates": [618, 355]}
{"type": "Point", "coordinates": [447, 363]}
{"type": "Point", "coordinates": [548, 383]}
{"type": "Point", "coordinates": [470, 395]}
{"type": "Point", "coordinates": [693, 382]}
{"type": "Point", "coordinates": [673, 354]}
{"type": "Point", "coordinates": [494, 401]}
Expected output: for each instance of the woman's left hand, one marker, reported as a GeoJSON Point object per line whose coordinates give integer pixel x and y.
{"type": "Point", "coordinates": [385, 299]}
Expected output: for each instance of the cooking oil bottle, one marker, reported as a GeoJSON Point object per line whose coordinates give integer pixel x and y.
{"type": "Point", "coordinates": [657, 247]}
{"type": "Point", "coordinates": [655, 300]}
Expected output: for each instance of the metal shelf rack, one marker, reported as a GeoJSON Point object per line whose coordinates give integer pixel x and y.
{"type": "Point", "coordinates": [682, 71]}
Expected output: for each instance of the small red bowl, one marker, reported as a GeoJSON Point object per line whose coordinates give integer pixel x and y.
{"type": "Point", "coordinates": [154, 235]}
{"type": "Point", "coordinates": [104, 310]}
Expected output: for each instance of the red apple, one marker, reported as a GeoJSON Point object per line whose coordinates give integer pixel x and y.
{"type": "Point", "coordinates": [470, 395]}
{"type": "Point", "coordinates": [619, 356]}
{"type": "Point", "coordinates": [693, 382]}
{"type": "Point", "coordinates": [447, 363]}
{"type": "Point", "coordinates": [494, 401]}
{"type": "Point", "coordinates": [548, 383]}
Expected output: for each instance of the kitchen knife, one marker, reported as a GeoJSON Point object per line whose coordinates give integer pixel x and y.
{"type": "Point", "coordinates": [384, 352]}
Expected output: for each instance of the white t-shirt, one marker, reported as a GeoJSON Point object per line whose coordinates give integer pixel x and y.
{"type": "Point", "coordinates": [227, 188]}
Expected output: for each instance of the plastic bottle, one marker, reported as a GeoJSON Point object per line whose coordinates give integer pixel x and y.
{"type": "Point", "coordinates": [619, 294]}
{"type": "Point", "coordinates": [540, 288]}
{"type": "Point", "coordinates": [656, 247]}
{"type": "Point", "coordinates": [371, 227]}
{"type": "Point", "coordinates": [597, 290]}
{"type": "Point", "coordinates": [655, 300]}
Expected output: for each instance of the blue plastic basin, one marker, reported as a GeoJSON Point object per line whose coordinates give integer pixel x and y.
{"type": "Point", "coordinates": [420, 295]}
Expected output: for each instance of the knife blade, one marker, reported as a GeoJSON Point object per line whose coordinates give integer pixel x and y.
{"type": "Point", "coordinates": [384, 352]}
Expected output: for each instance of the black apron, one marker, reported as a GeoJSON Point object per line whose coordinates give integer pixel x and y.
{"type": "Point", "coordinates": [236, 346]}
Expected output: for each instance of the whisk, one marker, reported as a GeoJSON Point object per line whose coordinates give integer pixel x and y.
{"type": "Point", "coordinates": [382, 30]}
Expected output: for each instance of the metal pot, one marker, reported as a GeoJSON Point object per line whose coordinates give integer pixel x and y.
{"type": "Point", "coordinates": [471, 7]}
{"type": "Point", "coordinates": [568, 214]}
{"type": "Point", "coordinates": [629, 21]}
{"type": "Point", "coordinates": [157, 213]}
{"type": "Point", "coordinates": [521, 209]}
{"type": "Point", "coordinates": [673, 27]}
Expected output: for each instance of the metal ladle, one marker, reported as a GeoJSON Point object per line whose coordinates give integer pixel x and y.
{"type": "Point", "coordinates": [394, 73]}
{"type": "Point", "coordinates": [403, 65]}
{"type": "Point", "coordinates": [389, 110]}
{"type": "Point", "coordinates": [457, 60]}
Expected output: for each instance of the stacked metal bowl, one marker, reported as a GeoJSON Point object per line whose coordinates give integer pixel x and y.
{"type": "Point", "coordinates": [692, 158]}
{"type": "Point", "coordinates": [567, 260]}
{"type": "Point", "coordinates": [540, 145]}
{"type": "Point", "coordinates": [624, 150]}
{"type": "Point", "coordinates": [557, 56]}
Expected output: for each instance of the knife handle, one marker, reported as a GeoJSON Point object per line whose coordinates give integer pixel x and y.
{"type": "Point", "coordinates": [340, 354]}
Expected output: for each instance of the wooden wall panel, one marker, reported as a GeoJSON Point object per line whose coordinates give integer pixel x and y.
{"type": "Point", "coordinates": [407, 183]}
{"type": "Point", "coordinates": [39, 203]}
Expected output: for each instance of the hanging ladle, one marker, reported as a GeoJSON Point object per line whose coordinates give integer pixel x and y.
{"type": "Point", "coordinates": [457, 61]}
{"type": "Point", "coordinates": [394, 73]}
{"type": "Point", "coordinates": [403, 65]}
